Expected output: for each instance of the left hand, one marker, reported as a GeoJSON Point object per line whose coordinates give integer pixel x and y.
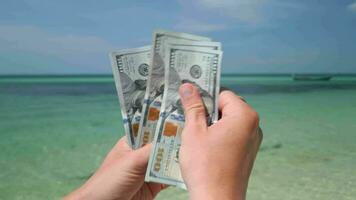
{"type": "Point", "coordinates": [121, 176]}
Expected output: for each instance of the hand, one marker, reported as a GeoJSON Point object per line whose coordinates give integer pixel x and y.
{"type": "Point", "coordinates": [216, 161]}
{"type": "Point", "coordinates": [121, 176]}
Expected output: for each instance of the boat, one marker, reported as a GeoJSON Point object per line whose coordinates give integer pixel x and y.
{"type": "Point", "coordinates": [311, 77]}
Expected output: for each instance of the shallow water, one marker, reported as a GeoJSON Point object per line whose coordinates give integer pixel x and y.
{"type": "Point", "coordinates": [55, 132]}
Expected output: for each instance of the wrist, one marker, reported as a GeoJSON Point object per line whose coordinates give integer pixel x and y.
{"type": "Point", "coordinates": [78, 194]}
{"type": "Point", "coordinates": [217, 191]}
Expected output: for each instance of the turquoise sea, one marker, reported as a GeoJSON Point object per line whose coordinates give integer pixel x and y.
{"type": "Point", "coordinates": [55, 131]}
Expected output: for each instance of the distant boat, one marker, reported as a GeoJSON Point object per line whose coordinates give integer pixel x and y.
{"type": "Point", "coordinates": [311, 77]}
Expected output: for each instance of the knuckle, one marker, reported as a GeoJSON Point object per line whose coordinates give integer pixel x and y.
{"type": "Point", "coordinates": [197, 108]}
{"type": "Point", "coordinates": [227, 93]}
{"type": "Point", "coordinates": [254, 116]}
{"type": "Point", "coordinates": [228, 96]}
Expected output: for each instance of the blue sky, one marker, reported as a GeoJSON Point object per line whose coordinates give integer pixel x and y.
{"type": "Point", "coordinates": [258, 36]}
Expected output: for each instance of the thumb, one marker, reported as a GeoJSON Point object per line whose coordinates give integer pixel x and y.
{"type": "Point", "coordinates": [142, 155]}
{"type": "Point", "coordinates": [194, 108]}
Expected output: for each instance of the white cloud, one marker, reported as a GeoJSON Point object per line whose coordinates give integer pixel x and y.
{"type": "Point", "coordinates": [296, 58]}
{"type": "Point", "coordinates": [30, 38]}
{"type": "Point", "coordinates": [86, 52]}
{"type": "Point", "coordinates": [82, 44]}
{"type": "Point", "coordinates": [194, 26]}
{"type": "Point", "coordinates": [246, 11]}
{"type": "Point", "coordinates": [243, 10]}
{"type": "Point", "coordinates": [352, 7]}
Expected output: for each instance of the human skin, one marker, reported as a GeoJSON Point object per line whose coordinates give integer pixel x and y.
{"type": "Point", "coordinates": [120, 176]}
{"type": "Point", "coordinates": [216, 161]}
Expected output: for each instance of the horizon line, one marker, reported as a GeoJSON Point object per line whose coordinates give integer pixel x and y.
{"type": "Point", "coordinates": [222, 74]}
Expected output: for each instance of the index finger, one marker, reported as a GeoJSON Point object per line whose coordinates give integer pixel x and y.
{"type": "Point", "coordinates": [230, 104]}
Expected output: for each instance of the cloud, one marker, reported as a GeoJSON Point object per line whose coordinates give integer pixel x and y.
{"type": "Point", "coordinates": [242, 10]}
{"type": "Point", "coordinates": [79, 44]}
{"type": "Point", "coordinates": [296, 58]}
{"type": "Point", "coordinates": [194, 26]}
{"type": "Point", "coordinates": [250, 12]}
{"type": "Point", "coordinates": [352, 7]}
{"type": "Point", "coordinates": [34, 39]}
{"type": "Point", "coordinates": [73, 50]}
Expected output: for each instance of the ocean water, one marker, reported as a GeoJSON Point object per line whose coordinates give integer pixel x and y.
{"type": "Point", "coordinates": [54, 132]}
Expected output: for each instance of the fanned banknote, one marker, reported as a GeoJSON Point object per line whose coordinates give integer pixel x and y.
{"type": "Point", "coordinates": [196, 65]}
{"type": "Point", "coordinates": [155, 83]}
{"type": "Point", "coordinates": [131, 69]}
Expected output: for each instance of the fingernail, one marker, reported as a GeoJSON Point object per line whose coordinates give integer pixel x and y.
{"type": "Point", "coordinates": [186, 91]}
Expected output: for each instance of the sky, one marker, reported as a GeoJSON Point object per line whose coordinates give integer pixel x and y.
{"type": "Point", "coordinates": [258, 36]}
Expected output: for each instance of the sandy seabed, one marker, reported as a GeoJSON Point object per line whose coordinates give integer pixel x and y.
{"type": "Point", "coordinates": [53, 136]}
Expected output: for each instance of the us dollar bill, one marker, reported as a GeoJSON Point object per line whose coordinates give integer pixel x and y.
{"type": "Point", "coordinates": [201, 67]}
{"type": "Point", "coordinates": [155, 82]}
{"type": "Point", "coordinates": [131, 69]}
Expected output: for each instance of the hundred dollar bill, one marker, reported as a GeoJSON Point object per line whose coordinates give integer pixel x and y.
{"type": "Point", "coordinates": [146, 137]}
{"type": "Point", "coordinates": [202, 44]}
{"type": "Point", "coordinates": [131, 68]}
{"type": "Point", "coordinates": [201, 67]}
{"type": "Point", "coordinates": [155, 82]}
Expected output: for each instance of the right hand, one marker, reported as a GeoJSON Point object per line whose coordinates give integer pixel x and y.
{"type": "Point", "coordinates": [216, 161]}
